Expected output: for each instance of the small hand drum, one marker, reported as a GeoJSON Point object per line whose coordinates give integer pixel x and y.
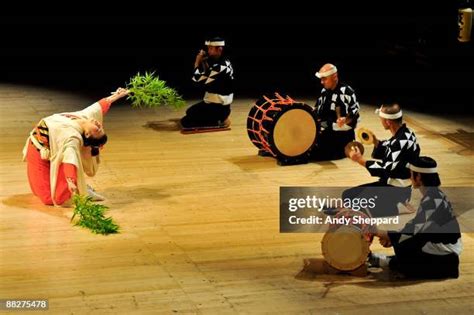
{"type": "Point", "coordinates": [365, 136]}
{"type": "Point", "coordinates": [350, 146]}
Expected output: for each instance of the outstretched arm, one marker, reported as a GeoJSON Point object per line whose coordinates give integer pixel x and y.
{"type": "Point", "coordinates": [107, 101]}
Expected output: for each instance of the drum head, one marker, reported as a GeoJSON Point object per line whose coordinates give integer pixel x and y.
{"type": "Point", "coordinates": [295, 131]}
{"type": "Point", "coordinates": [345, 248]}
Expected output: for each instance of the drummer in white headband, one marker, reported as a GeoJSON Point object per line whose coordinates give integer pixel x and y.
{"type": "Point", "coordinates": [429, 245]}
{"type": "Point", "coordinates": [214, 74]}
{"type": "Point", "coordinates": [394, 154]}
{"type": "Point", "coordinates": [337, 111]}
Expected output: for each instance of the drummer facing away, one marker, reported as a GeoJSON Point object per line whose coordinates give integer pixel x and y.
{"type": "Point", "coordinates": [337, 112]}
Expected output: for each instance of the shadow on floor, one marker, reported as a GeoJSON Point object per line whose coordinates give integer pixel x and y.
{"type": "Point", "coordinates": [376, 277]}
{"type": "Point", "coordinates": [170, 125]}
{"type": "Point", "coordinates": [125, 196]}
{"type": "Point", "coordinates": [255, 162]}
{"type": "Point", "coordinates": [31, 202]}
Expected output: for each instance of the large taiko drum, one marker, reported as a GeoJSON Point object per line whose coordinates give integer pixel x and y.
{"type": "Point", "coordinates": [345, 247]}
{"type": "Point", "coordinates": [282, 128]}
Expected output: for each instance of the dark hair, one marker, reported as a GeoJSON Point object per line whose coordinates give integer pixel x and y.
{"type": "Point", "coordinates": [393, 108]}
{"type": "Point", "coordinates": [94, 143]}
{"type": "Point", "coordinates": [429, 180]}
{"type": "Point", "coordinates": [398, 120]}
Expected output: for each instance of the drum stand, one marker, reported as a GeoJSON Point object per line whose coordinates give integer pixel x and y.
{"type": "Point", "coordinates": [360, 271]}
{"type": "Point", "coordinates": [285, 162]}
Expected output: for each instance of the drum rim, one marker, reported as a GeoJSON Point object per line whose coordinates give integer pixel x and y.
{"type": "Point", "coordinates": [340, 265]}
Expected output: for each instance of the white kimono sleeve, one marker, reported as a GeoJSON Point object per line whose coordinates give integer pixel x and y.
{"type": "Point", "coordinates": [93, 111]}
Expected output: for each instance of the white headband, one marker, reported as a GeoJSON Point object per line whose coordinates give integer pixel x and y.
{"type": "Point", "coordinates": [326, 73]}
{"type": "Point", "coordinates": [424, 170]}
{"type": "Point", "coordinates": [388, 116]}
{"type": "Point", "coordinates": [214, 43]}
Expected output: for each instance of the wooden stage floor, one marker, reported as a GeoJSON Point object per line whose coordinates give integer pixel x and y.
{"type": "Point", "coordinates": [199, 218]}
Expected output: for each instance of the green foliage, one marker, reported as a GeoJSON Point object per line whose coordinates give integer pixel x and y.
{"type": "Point", "coordinates": [149, 91]}
{"type": "Point", "coordinates": [91, 216]}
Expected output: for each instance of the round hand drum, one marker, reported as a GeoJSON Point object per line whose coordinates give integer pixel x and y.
{"type": "Point", "coordinates": [365, 136]}
{"type": "Point", "coordinates": [345, 247]}
{"type": "Point", "coordinates": [282, 128]}
{"type": "Point", "coordinates": [351, 145]}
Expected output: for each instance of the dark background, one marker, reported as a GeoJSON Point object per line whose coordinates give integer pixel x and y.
{"type": "Point", "coordinates": [391, 52]}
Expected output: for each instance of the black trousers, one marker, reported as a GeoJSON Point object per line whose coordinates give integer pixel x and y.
{"type": "Point", "coordinates": [388, 197]}
{"type": "Point", "coordinates": [412, 262]}
{"type": "Point", "coordinates": [330, 145]}
{"type": "Point", "coordinates": [205, 114]}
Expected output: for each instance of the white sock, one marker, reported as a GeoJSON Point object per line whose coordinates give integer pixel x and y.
{"type": "Point", "coordinates": [384, 261]}
{"type": "Point", "coordinates": [381, 260]}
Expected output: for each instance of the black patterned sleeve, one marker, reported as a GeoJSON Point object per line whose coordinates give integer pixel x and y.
{"type": "Point", "coordinates": [376, 168]}
{"type": "Point", "coordinates": [350, 101]}
{"type": "Point", "coordinates": [199, 76]}
{"type": "Point", "coordinates": [380, 150]}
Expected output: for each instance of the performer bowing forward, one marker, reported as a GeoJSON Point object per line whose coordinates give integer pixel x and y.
{"type": "Point", "coordinates": [63, 148]}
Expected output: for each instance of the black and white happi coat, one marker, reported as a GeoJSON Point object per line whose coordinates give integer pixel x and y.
{"type": "Point", "coordinates": [342, 97]}
{"type": "Point", "coordinates": [394, 154]}
{"type": "Point", "coordinates": [217, 81]}
{"type": "Point", "coordinates": [430, 243]}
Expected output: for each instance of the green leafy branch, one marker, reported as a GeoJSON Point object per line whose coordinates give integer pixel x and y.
{"type": "Point", "coordinates": [91, 216]}
{"type": "Point", "coordinates": [149, 91]}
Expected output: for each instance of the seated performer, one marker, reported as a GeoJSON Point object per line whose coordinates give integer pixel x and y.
{"type": "Point", "coordinates": [429, 245]}
{"type": "Point", "coordinates": [62, 148]}
{"type": "Point", "coordinates": [337, 112]}
{"type": "Point", "coordinates": [214, 73]}
{"type": "Point", "coordinates": [394, 154]}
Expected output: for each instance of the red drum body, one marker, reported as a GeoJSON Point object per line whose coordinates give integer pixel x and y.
{"type": "Point", "coordinates": [282, 128]}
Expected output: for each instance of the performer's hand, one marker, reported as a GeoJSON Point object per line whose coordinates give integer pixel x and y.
{"type": "Point", "coordinates": [72, 186]}
{"type": "Point", "coordinates": [385, 242]}
{"type": "Point", "coordinates": [341, 121]}
{"type": "Point", "coordinates": [118, 94]}
{"type": "Point", "coordinates": [383, 238]}
{"type": "Point", "coordinates": [372, 229]}
{"type": "Point", "coordinates": [200, 58]}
